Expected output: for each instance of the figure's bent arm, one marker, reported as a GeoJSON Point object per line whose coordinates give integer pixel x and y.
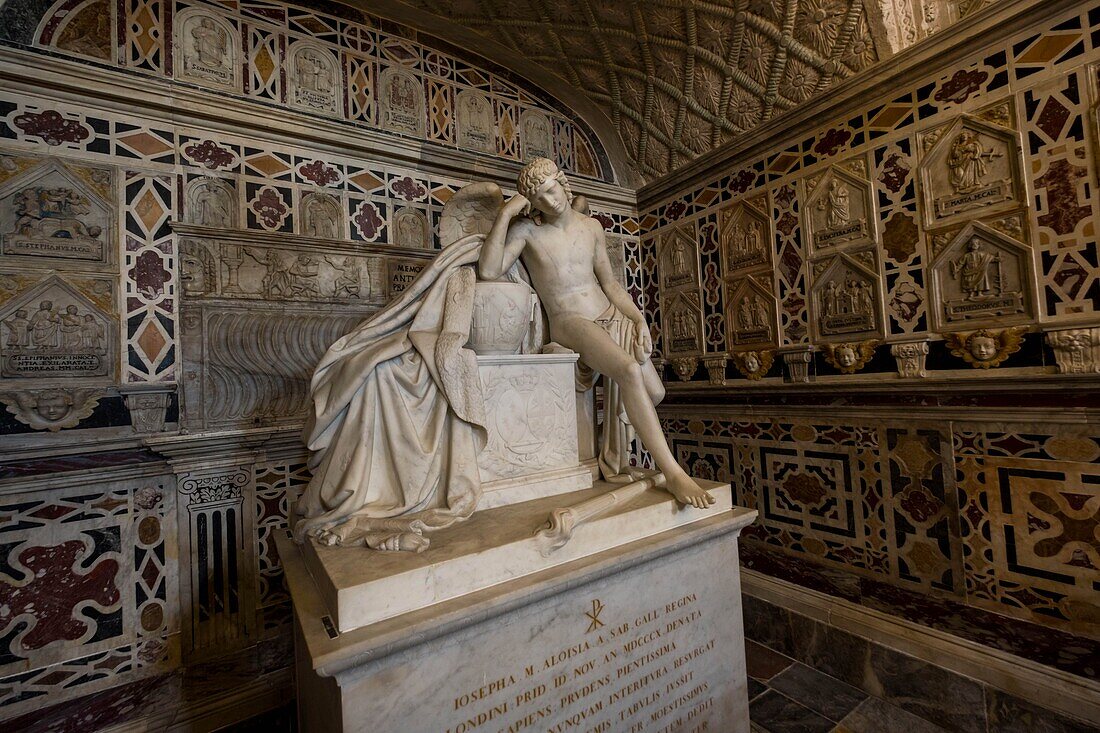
{"type": "Point", "coordinates": [503, 243]}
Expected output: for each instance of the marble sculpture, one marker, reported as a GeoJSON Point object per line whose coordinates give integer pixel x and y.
{"type": "Point", "coordinates": [398, 414]}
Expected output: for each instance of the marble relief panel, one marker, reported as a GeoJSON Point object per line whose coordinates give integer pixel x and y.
{"type": "Point", "coordinates": [314, 78]}
{"type": "Point", "coordinates": [401, 102]}
{"type": "Point", "coordinates": [474, 121]}
{"type": "Point", "coordinates": [846, 298]}
{"type": "Point", "coordinates": [745, 234]}
{"type": "Point", "coordinates": [751, 317]}
{"type": "Point", "coordinates": [839, 208]}
{"type": "Point", "coordinates": [207, 48]}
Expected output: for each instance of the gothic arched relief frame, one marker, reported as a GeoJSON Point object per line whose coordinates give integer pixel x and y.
{"type": "Point", "coordinates": [207, 49]}
{"type": "Point", "coordinates": [969, 168]}
{"type": "Point", "coordinates": [211, 201]}
{"type": "Point", "coordinates": [846, 298]}
{"type": "Point", "coordinates": [982, 277]}
{"type": "Point", "coordinates": [682, 319]}
{"type": "Point", "coordinates": [752, 315]}
{"type": "Point", "coordinates": [475, 121]}
{"type": "Point", "coordinates": [839, 211]}
{"type": "Point", "coordinates": [315, 82]}
{"type": "Point", "coordinates": [678, 257]}
{"type": "Point", "coordinates": [321, 215]}
{"type": "Point", "coordinates": [401, 106]}
{"type": "Point", "coordinates": [82, 27]}
{"type": "Point", "coordinates": [746, 238]}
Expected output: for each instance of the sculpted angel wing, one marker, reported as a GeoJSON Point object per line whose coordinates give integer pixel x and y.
{"type": "Point", "coordinates": [1011, 339]}
{"type": "Point", "coordinates": [472, 210]}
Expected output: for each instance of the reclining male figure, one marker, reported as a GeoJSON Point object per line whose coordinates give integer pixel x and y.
{"type": "Point", "coordinates": [564, 253]}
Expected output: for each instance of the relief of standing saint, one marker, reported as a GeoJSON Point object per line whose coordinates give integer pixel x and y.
{"type": "Point", "coordinates": [968, 162]}
{"type": "Point", "coordinates": [211, 43]}
{"type": "Point", "coordinates": [974, 271]}
{"type": "Point", "coordinates": [837, 205]}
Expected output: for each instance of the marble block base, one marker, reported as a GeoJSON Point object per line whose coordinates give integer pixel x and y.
{"type": "Point", "coordinates": [493, 546]}
{"type": "Point", "coordinates": [642, 635]}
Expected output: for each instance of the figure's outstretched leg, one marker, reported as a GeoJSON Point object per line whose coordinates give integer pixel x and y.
{"type": "Point", "coordinates": [605, 356]}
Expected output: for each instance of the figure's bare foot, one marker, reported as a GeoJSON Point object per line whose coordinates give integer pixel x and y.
{"type": "Point", "coordinates": [688, 492]}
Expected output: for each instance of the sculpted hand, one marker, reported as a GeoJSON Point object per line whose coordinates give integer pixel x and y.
{"type": "Point", "coordinates": [643, 341]}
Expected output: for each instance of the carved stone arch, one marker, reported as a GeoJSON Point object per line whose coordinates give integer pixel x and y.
{"type": "Point", "coordinates": [207, 49]}
{"type": "Point", "coordinates": [969, 168]}
{"type": "Point", "coordinates": [831, 224]}
{"type": "Point", "coordinates": [401, 102]}
{"type": "Point", "coordinates": [846, 299]}
{"type": "Point", "coordinates": [212, 202]}
{"type": "Point", "coordinates": [536, 135]}
{"type": "Point", "coordinates": [315, 83]}
{"type": "Point", "coordinates": [82, 27]}
{"type": "Point", "coordinates": [752, 315]}
{"type": "Point", "coordinates": [474, 121]}
{"type": "Point", "coordinates": [982, 277]}
{"type": "Point", "coordinates": [54, 212]}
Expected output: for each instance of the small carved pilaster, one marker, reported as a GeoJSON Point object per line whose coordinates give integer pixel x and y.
{"type": "Point", "coordinates": [716, 368]}
{"type": "Point", "coordinates": [148, 406]}
{"type": "Point", "coordinates": [1077, 350]}
{"type": "Point", "coordinates": [797, 361]}
{"type": "Point", "coordinates": [910, 357]}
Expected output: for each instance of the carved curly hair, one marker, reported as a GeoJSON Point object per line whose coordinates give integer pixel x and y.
{"type": "Point", "coordinates": [535, 173]}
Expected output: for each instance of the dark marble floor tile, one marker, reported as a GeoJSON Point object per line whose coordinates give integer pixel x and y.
{"type": "Point", "coordinates": [949, 700]}
{"type": "Point", "coordinates": [766, 624]}
{"type": "Point", "coordinates": [875, 716]}
{"type": "Point", "coordinates": [763, 663]}
{"type": "Point", "coordinates": [280, 720]}
{"type": "Point", "coordinates": [756, 688]}
{"type": "Point", "coordinates": [819, 692]}
{"type": "Point", "coordinates": [118, 705]}
{"type": "Point", "coordinates": [1009, 714]}
{"type": "Point", "coordinates": [778, 714]}
{"type": "Point", "coordinates": [832, 651]}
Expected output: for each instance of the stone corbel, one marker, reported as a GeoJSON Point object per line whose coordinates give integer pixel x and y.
{"type": "Point", "coordinates": [148, 405]}
{"type": "Point", "coordinates": [716, 368]}
{"type": "Point", "coordinates": [910, 356]}
{"type": "Point", "coordinates": [797, 361]}
{"type": "Point", "coordinates": [685, 367]}
{"type": "Point", "coordinates": [1077, 350]}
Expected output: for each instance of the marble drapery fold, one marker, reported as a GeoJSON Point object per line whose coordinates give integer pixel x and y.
{"type": "Point", "coordinates": [398, 417]}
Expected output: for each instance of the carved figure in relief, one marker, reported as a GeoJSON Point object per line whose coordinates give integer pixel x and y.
{"type": "Point", "coordinates": [968, 162]}
{"type": "Point", "coordinates": [837, 205]}
{"type": "Point", "coordinates": [411, 229]}
{"type": "Point", "coordinates": [406, 378]}
{"type": "Point", "coordinates": [403, 94]}
{"type": "Point", "coordinates": [70, 326]}
{"type": "Point", "coordinates": [53, 213]}
{"type": "Point", "coordinates": [979, 272]}
{"type": "Point", "coordinates": [92, 334]}
{"type": "Point", "coordinates": [750, 238]}
{"type": "Point", "coordinates": [319, 213]}
{"type": "Point", "coordinates": [588, 310]}
{"type": "Point", "coordinates": [211, 43]}
{"type": "Point", "coordinates": [303, 276]}
{"type": "Point", "coordinates": [44, 326]}
{"type": "Point", "coordinates": [348, 282]}
{"type": "Point", "coordinates": [986, 347]}
{"type": "Point", "coordinates": [313, 73]}
{"type": "Point", "coordinates": [276, 280]}
{"type": "Point", "coordinates": [678, 258]}
{"type": "Point", "coordinates": [211, 204]}
{"type": "Point", "coordinates": [18, 326]}
{"type": "Point", "coordinates": [198, 270]}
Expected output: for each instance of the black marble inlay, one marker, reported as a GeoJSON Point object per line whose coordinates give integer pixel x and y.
{"type": "Point", "coordinates": [819, 692]}
{"type": "Point", "coordinates": [876, 716]}
{"type": "Point", "coordinates": [1010, 714]}
{"type": "Point", "coordinates": [779, 714]}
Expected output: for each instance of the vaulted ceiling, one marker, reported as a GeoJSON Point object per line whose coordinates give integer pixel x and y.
{"type": "Point", "coordinates": [677, 78]}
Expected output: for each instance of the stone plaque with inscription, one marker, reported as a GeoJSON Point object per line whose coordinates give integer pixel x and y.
{"type": "Point", "coordinates": [573, 645]}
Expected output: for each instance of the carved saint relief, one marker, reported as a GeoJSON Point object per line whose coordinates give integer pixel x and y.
{"type": "Point", "coordinates": [678, 258]}
{"type": "Point", "coordinates": [683, 319]}
{"type": "Point", "coordinates": [981, 275]}
{"type": "Point", "coordinates": [313, 78]}
{"type": "Point", "coordinates": [212, 202]}
{"type": "Point", "coordinates": [745, 238]}
{"type": "Point", "coordinates": [750, 317]}
{"type": "Point", "coordinates": [50, 211]}
{"type": "Point", "coordinates": [401, 100]}
{"type": "Point", "coordinates": [53, 330]}
{"type": "Point", "coordinates": [206, 49]}
{"type": "Point", "coordinates": [321, 216]}
{"type": "Point", "coordinates": [968, 166]}
{"type": "Point", "coordinates": [410, 229]}
{"type": "Point", "coordinates": [846, 300]}
{"type": "Point", "coordinates": [474, 117]}
{"type": "Point", "coordinates": [839, 210]}
{"type": "Point", "coordinates": [536, 135]}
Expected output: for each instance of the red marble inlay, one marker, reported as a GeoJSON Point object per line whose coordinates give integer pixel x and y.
{"type": "Point", "coordinates": [409, 189]}
{"type": "Point", "coordinates": [832, 141]}
{"type": "Point", "coordinates": [269, 207]}
{"type": "Point", "coordinates": [149, 274]}
{"type": "Point", "coordinates": [367, 220]}
{"type": "Point", "coordinates": [319, 172]}
{"type": "Point", "coordinates": [894, 173]}
{"type": "Point", "coordinates": [1053, 118]}
{"type": "Point", "coordinates": [209, 153]}
{"type": "Point", "coordinates": [742, 181]}
{"type": "Point", "coordinates": [1063, 206]}
{"type": "Point", "coordinates": [51, 127]}
{"type": "Point", "coordinates": [960, 86]}
{"type": "Point", "coordinates": [53, 589]}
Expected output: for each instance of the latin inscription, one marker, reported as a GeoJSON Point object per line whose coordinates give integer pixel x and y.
{"type": "Point", "coordinates": [620, 674]}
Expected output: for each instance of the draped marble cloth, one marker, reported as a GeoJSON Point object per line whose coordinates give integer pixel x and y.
{"type": "Point", "coordinates": [398, 416]}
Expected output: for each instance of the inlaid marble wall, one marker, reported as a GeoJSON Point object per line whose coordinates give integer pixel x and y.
{"type": "Point", "coordinates": [892, 336]}
{"type": "Point", "coordinates": [166, 288]}
{"type": "Point", "coordinates": [961, 210]}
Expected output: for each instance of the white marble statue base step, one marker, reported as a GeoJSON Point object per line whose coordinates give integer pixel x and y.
{"type": "Point", "coordinates": [362, 587]}
{"type": "Point", "coordinates": [642, 636]}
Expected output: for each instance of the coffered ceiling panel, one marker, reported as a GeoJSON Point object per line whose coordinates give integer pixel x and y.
{"type": "Point", "coordinates": [678, 77]}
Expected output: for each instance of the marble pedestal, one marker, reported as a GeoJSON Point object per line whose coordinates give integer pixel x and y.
{"type": "Point", "coordinates": [621, 629]}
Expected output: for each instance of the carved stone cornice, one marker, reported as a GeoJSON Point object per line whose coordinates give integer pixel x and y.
{"type": "Point", "coordinates": [190, 451]}
{"type": "Point", "coordinates": [296, 241]}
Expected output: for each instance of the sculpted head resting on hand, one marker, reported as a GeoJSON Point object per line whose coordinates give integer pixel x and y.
{"type": "Point", "coordinates": [545, 186]}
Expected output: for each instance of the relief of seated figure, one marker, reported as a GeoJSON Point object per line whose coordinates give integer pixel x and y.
{"type": "Point", "coordinates": [398, 418]}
